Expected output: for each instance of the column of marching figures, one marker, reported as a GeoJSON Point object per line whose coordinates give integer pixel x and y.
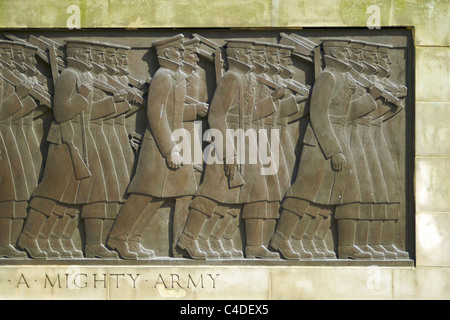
{"type": "Point", "coordinates": [95, 174]}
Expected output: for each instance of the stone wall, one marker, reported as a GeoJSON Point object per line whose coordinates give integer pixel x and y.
{"type": "Point", "coordinates": [428, 279]}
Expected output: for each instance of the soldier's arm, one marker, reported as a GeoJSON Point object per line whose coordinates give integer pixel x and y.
{"type": "Point", "coordinates": [320, 120]}
{"type": "Point", "coordinates": [68, 103]}
{"type": "Point", "coordinates": [9, 103]}
{"type": "Point", "coordinates": [159, 89]}
{"type": "Point", "coordinates": [226, 94]}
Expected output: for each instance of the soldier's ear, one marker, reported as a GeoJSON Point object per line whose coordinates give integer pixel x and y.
{"type": "Point", "coordinates": [166, 53]}
{"type": "Point", "coordinates": [333, 53]}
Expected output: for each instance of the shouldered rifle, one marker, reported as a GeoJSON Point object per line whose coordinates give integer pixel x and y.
{"type": "Point", "coordinates": [41, 96]}
{"type": "Point", "coordinates": [367, 84]}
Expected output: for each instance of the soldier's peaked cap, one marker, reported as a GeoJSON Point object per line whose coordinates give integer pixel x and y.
{"type": "Point", "coordinates": [259, 45]}
{"type": "Point", "coordinates": [192, 44]}
{"type": "Point", "coordinates": [371, 46]}
{"type": "Point", "coordinates": [6, 44]}
{"type": "Point", "coordinates": [384, 48]}
{"type": "Point", "coordinates": [286, 50]}
{"type": "Point", "coordinates": [357, 44]}
{"type": "Point", "coordinates": [78, 43]}
{"type": "Point", "coordinates": [168, 42]}
{"type": "Point", "coordinates": [239, 43]}
{"type": "Point", "coordinates": [335, 42]}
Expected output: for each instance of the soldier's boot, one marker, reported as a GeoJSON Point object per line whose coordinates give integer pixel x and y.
{"type": "Point", "coordinates": [56, 245]}
{"type": "Point", "coordinates": [254, 248]}
{"type": "Point", "coordinates": [375, 231]}
{"type": "Point", "coordinates": [297, 246]}
{"type": "Point", "coordinates": [215, 239]}
{"type": "Point", "coordinates": [28, 238]}
{"type": "Point", "coordinates": [94, 247]}
{"type": "Point", "coordinates": [66, 233]}
{"type": "Point", "coordinates": [346, 242]}
{"type": "Point", "coordinates": [280, 240]}
{"type": "Point", "coordinates": [188, 240]}
{"type": "Point", "coordinates": [282, 244]}
{"type": "Point", "coordinates": [135, 245]}
{"type": "Point", "coordinates": [44, 237]}
{"type": "Point", "coordinates": [321, 246]}
{"type": "Point", "coordinates": [387, 240]}
{"type": "Point", "coordinates": [7, 250]}
{"type": "Point", "coordinates": [227, 237]}
{"type": "Point", "coordinates": [204, 237]}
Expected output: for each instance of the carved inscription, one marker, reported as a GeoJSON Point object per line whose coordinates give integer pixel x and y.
{"type": "Point", "coordinates": [261, 149]}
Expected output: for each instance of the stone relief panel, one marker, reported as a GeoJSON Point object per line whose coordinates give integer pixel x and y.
{"type": "Point", "coordinates": [206, 145]}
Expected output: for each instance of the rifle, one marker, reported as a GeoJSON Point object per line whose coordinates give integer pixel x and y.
{"type": "Point", "coordinates": [41, 96]}
{"type": "Point", "coordinates": [367, 84]}
{"type": "Point", "coordinates": [118, 85]}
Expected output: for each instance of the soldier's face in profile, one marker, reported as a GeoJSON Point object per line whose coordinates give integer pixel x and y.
{"type": "Point", "coordinates": [260, 57]}
{"type": "Point", "coordinates": [6, 54]}
{"type": "Point", "coordinates": [19, 56]}
{"type": "Point", "coordinates": [111, 59]}
{"type": "Point", "coordinates": [245, 56]}
{"type": "Point", "coordinates": [342, 54]}
{"type": "Point", "coordinates": [175, 53]}
{"type": "Point", "coordinates": [84, 55]}
{"type": "Point", "coordinates": [191, 57]}
{"type": "Point", "coordinates": [98, 57]}
{"type": "Point", "coordinates": [122, 60]}
{"type": "Point", "coordinates": [273, 58]}
{"type": "Point", "coordinates": [356, 55]}
{"type": "Point", "coordinates": [370, 57]}
{"type": "Point", "coordinates": [384, 60]}
{"type": "Point", "coordinates": [286, 61]}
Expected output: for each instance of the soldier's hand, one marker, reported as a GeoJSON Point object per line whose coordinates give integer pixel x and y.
{"type": "Point", "coordinates": [202, 109]}
{"type": "Point", "coordinates": [23, 90]}
{"type": "Point", "coordinates": [174, 160]}
{"type": "Point", "coordinates": [85, 89]}
{"type": "Point", "coordinates": [279, 93]}
{"type": "Point", "coordinates": [338, 162]}
{"type": "Point", "coordinates": [376, 91]}
{"type": "Point", "coordinates": [230, 167]}
{"type": "Point", "coordinates": [120, 96]}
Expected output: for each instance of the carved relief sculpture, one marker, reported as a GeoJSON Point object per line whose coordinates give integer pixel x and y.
{"type": "Point", "coordinates": [275, 149]}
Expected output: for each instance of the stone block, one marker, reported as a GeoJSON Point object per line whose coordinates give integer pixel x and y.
{"type": "Point", "coordinates": [432, 186]}
{"type": "Point", "coordinates": [432, 74]}
{"type": "Point", "coordinates": [432, 129]}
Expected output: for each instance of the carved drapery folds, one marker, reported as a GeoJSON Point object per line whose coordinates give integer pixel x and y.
{"type": "Point", "coordinates": [317, 179]}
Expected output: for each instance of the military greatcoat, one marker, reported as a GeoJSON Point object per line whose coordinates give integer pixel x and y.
{"type": "Point", "coordinates": [325, 137]}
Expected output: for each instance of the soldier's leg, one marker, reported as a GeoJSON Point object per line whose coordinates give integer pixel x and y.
{"type": "Point", "coordinates": [272, 208]}
{"type": "Point", "coordinates": [6, 249]}
{"type": "Point", "coordinates": [55, 237]}
{"type": "Point", "coordinates": [68, 232]}
{"type": "Point", "coordinates": [7, 241]}
{"type": "Point", "coordinates": [40, 210]}
{"type": "Point", "coordinates": [179, 220]}
{"type": "Point", "coordinates": [135, 235]}
{"type": "Point", "coordinates": [388, 232]}
{"type": "Point", "coordinates": [216, 236]}
{"type": "Point", "coordinates": [362, 231]}
{"type": "Point", "coordinates": [44, 236]}
{"type": "Point", "coordinates": [292, 217]}
{"type": "Point", "coordinates": [201, 209]}
{"type": "Point", "coordinates": [232, 222]}
{"type": "Point", "coordinates": [321, 231]}
{"type": "Point", "coordinates": [346, 216]}
{"type": "Point", "coordinates": [94, 215]}
{"type": "Point", "coordinates": [254, 215]}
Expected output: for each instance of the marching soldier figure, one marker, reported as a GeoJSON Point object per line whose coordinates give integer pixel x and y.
{"type": "Point", "coordinates": [13, 185]}
{"type": "Point", "coordinates": [228, 182]}
{"type": "Point", "coordinates": [73, 174]}
{"type": "Point", "coordinates": [160, 173]}
{"type": "Point", "coordinates": [326, 180]}
{"type": "Point", "coordinates": [387, 236]}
